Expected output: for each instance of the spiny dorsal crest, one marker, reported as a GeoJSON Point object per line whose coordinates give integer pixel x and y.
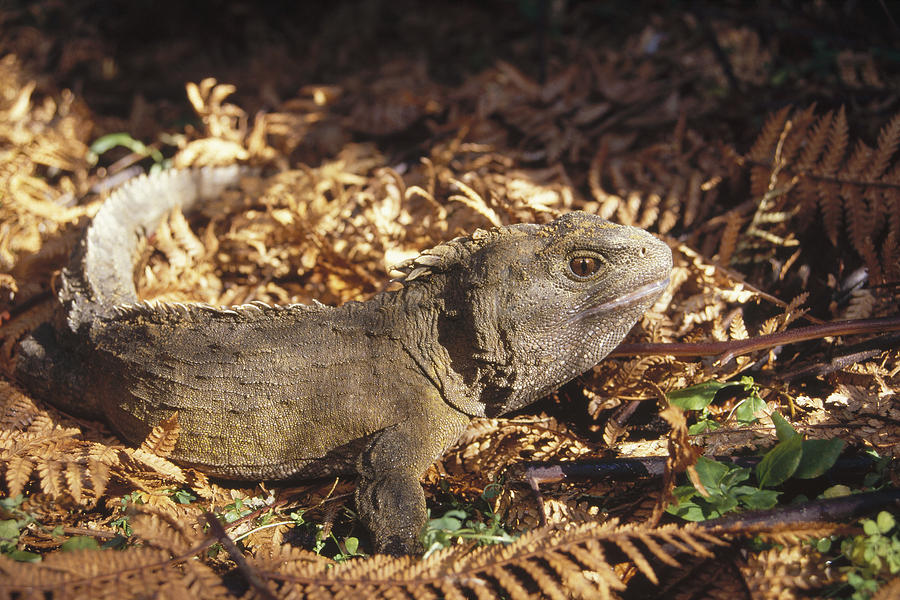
{"type": "Point", "coordinates": [444, 256]}
{"type": "Point", "coordinates": [440, 258]}
{"type": "Point", "coordinates": [193, 311]}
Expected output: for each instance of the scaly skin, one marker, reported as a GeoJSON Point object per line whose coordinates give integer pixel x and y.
{"type": "Point", "coordinates": [483, 325]}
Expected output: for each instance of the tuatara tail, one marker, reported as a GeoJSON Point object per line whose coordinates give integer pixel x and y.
{"type": "Point", "coordinates": [100, 274]}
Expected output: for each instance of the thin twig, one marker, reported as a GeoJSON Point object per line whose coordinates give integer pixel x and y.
{"type": "Point", "coordinates": [237, 556]}
{"type": "Point", "coordinates": [730, 349]}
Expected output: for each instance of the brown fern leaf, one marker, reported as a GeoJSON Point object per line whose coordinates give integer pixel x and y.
{"type": "Point", "coordinates": [764, 146]}
{"type": "Point", "coordinates": [34, 444]}
{"type": "Point", "coordinates": [869, 254]}
{"type": "Point", "coordinates": [541, 564]}
{"type": "Point", "coordinates": [74, 476]}
{"type": "Point", "coordinates": [787, 534]}
{"type": "Point", "coordinates": [890, 253]}
{"type": "Point", "coordinates": [717, 579]}
{"type": "Point", "coordinates": [671, 207]}
{"type": "Point", "coordinates": [141, 465]}
{"type": "Point", "coordinates": [763, 150]}
{"type": "Point", "coordinates": [791, 313]}
{"type": "Point", "coordinates": [815, 143]}
{"type": "Point", "coordinates": [828, 190]}
{"type": "Point", "coordinates": [17, 411]}
{"type": "Point", "coordinates": [780, 572]}
{"type": "Point", "coordinates": [163, 563]}
{"type": "Point", "coordinates": [737, 330]}
{"type": "Point", "coordinates": [800, 124]}
{"type": "Point", "coordinates": [729, 239]}
{"type": "Point", "coordinates": [110, 574]}
{"type": "Point", "coordinates": [806, 190]}
{"type": "Point", "coordinates": [78, 574]}
{"type": "Point", "coordinates": [50, 474]}
{"type": "Point", "coordinates": [856, 210]}
{"type": "Point", "coordinates": [161, 440]}
{"type": "Point", "coordinates": [98, 473]}
{"type": "Point", "coordinates": [161, 530]}
{"type": "Point", "coordinates": [18, 472]}
{"type": "Point", "coordinates": [494, 444]}
{"type": "Point", "coordinates": [649, 211]}
{"type": "Point", "coordinates": [888, 139]}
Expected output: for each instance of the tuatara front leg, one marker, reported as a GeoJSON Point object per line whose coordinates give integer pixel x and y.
{"type": "Point", "coordinates": [389, 497]}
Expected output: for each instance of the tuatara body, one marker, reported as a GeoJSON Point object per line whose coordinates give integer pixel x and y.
{"type": "Point", "coordinates": [482, 325]}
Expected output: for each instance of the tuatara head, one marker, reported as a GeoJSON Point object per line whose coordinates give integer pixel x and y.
{"type": "Point", "coordinates": [541, 304]}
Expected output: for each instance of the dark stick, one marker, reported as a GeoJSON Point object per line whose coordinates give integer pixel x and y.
{"type": "Point", "coordinates": [728, 350]}
{"type": "Point", "coordinates": [629, 469]}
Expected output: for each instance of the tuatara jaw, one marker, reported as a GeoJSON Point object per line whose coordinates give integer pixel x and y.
{"type": "Point", "coordinates": [627, 300]}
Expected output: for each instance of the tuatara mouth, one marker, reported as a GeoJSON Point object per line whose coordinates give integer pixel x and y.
{"type": "Point", "coordinates": [626, 300]}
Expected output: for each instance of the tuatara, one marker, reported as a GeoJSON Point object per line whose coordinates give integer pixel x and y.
{"type": "Point", "coordinates": [482, 325]}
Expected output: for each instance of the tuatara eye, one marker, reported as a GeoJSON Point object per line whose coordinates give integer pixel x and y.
{"type": "Point", "coordinates": [584, 266]}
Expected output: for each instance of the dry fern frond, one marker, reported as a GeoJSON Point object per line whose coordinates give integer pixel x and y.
{"type": "Point", "coordinates": [779, 572]}
{"type": "Point", "coordinates": [35, 446]}
{"type": "Point", "coordinates": [37, 134]}
{"type": "Point", "coordinates": [161, 440]}
{"type": "Point", "coordinates": [227, 127]}
{"type": "Point", "coordinates": [490, 445]}
{"type": "Point", "coordinates": [473, 200]}
{"type": "Point", "coordinates": [575, 563]}
{"type": "Point", "coordinates": [391, 98]}
{"type": "Point", "coordinates": [164, 563]}
{"type": "Point", "coordinates": [858, 190]}
{"type": "Point", "coordinates": [657, 187]}
{"type": "Point", "coordinates": [32, 444]}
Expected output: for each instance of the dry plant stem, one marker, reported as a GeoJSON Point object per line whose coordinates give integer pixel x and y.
{"type": "Point", "coordinates": [234, 552]}
{"type": "Point", "coordinates": [728, 350]}
{"type": "Point", "coordinates": [831, 510]}
{"type": "Point", "coordinates": [837, 363]}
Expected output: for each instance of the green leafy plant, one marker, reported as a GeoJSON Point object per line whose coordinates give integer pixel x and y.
{"type": "Point", "coordinates": [699, 397]}
{"type": "Point", "coordinates": [795, 457]}
{"type": "Point", "coordinates": [347, 549]}
{"type": "Point", "coordinates": [456, 525]}
{"type": "Point", "coordinates": [15, 521]}
{"type": "Point", "coordinates": [79, 542]}
{"type": "Point", "coordinates": [183, 496]}
{"type": "Point", "coordinates": [124, 140]}
{"type": "Point", "coordinates": [236, 510]}
{"type": "Point", "coordinates": [123, 523]}
{"type": "Point", "coordinates": [873, 557]}
{"type": "Point", "coordinates": [724, 484]}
